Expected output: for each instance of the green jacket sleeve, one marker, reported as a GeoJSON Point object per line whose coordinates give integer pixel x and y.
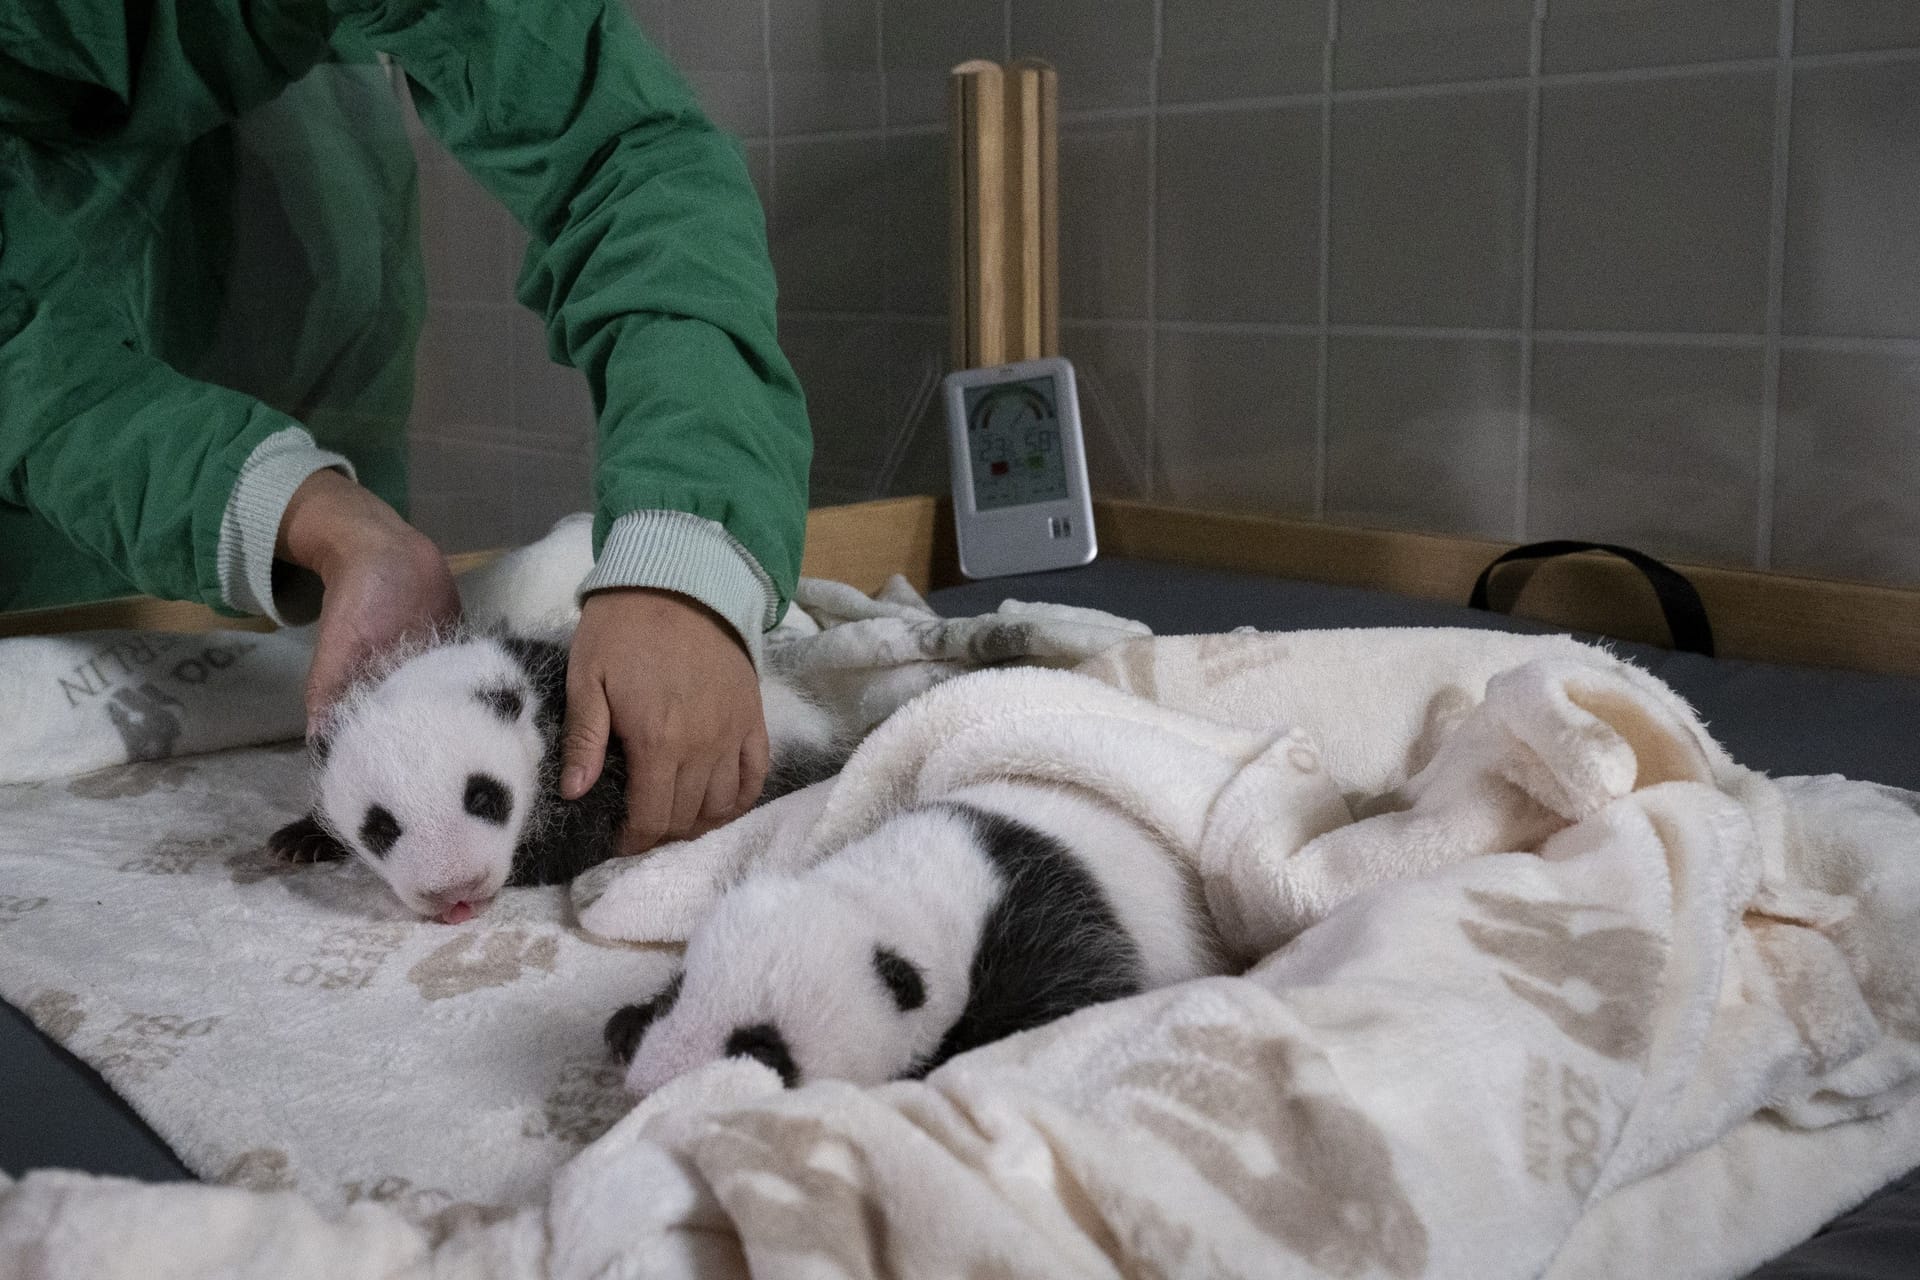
{"type": "Point", "coordinates": [130, 460]}
{"type": "Point", "coordinates": [648, 253]}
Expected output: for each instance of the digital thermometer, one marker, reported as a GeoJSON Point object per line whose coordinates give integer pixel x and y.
{"type": "Point", "coordinates": [1020, 498]}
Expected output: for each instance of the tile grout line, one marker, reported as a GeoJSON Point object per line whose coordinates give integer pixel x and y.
{"type": "Point", "coordinates": [901, 440]}
{"type": "Point", "coordinates": [1322, 374]}
{"type": "Point", "coordinates": [1150, 374]}
{"type": "Point", "coordinates": [773, 131]}
{"type": "Point", "coordinates": [1851, 344]}
{"type": "Point", "coordinates": [854, 135]}
{"type": "Point", "coordinates": [880, 64]}
{"type": "Point", "coordinates": [1652, 338]}
{"type": "Point", "coordinates": [1852, 57]}
{"type": "Point", "coordinates": [1529, 270]}
{"type": "Point", "coordinates": [1776, 291]}
{"type": "Point", "coordinates": [1842, 343]}
{"type": "Point", "coordinates": [1546, 79]}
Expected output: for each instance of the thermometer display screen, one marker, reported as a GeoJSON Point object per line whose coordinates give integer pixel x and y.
{"type": "Point", "coordinates": [1013, 443]}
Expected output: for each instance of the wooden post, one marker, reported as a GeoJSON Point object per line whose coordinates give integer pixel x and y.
{"type": "Point", "coordinates": [1033, 110]}
{"type": "Point", "coordinates": [1004, 181]}
{"type": "Point", "coordinates": [977, 183]}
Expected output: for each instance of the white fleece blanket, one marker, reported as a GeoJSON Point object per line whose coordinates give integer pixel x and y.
{"type": "Point", "coordinates": [1550, 986]}
{"type": "Point", "coordinates": [230, 998]}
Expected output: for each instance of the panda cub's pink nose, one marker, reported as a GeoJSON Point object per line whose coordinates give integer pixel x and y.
{"type": "Point", "coordinates": [460, 903]}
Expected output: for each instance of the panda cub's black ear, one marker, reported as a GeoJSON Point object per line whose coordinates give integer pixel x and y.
{"type": "Point", "coordinates": [625, 1028]}
{"type": "Point", "coordinates": [902, 979]}
{"type": "Point", "coordinates": [504, 701]}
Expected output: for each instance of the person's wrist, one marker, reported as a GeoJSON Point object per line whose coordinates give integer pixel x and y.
{"type": "Point", "coordinates": [658, 601]}
{"type": "Point", "coordinates": [332, 523]}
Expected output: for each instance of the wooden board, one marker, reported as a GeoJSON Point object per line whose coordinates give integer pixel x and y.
{"type": "Point", "coordinates": [1766, 617]}
{"type": "Point", "coordinates": [866, 542]}
{"type": "Point", "coordinates": [1762, 616]}
{"type": "Point", "coordinates": [862, 544]}
{"type": "Point", "coordinates": [127, 613]}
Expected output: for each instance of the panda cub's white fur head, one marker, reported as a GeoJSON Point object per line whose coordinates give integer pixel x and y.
{"type": "Point", "coordinates": [839, 973]}
{"type": "Point", "coordinates": [429, 772]}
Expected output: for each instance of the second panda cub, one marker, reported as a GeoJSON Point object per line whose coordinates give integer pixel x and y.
{"type": "Point", "coordinates": [440, 771]}
{"type": "Point", "coordinates": [1000, 909]}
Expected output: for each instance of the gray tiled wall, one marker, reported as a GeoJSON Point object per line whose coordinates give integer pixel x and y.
{"type": "Point", "coordinates": [1637, 270]}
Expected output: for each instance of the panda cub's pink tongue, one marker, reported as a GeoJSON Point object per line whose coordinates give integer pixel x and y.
{"type": "Point", "coordinates": [458, 913]}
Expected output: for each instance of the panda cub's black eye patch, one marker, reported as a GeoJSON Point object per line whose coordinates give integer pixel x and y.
{"type": "Point", "coordinates": [378, 830]}
{"type": "Point", "coordinates": [488, 799]}
{"type": "Point", "coordinates": [902, 979]}
{"type": "Point", "coordinates": [504, 701]}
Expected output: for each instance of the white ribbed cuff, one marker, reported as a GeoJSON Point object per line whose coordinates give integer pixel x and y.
{"type": "Point", "coordinates": [695, 557]}
{"type": "Point", "coordinates": [250, 527]}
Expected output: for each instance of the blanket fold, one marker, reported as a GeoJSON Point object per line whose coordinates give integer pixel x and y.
{"type": "Point", "coordinates": [1545, 944]}
{"type": "Point", "coordinates": [1538, 981]}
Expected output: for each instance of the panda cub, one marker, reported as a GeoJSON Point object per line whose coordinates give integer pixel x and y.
{"type": "Point", "coordinates": [953, 925]}
{"type": "Point", "coordinates": [441, 771]}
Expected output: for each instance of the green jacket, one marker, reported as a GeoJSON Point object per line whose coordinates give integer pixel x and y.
{"type": "Point", "coordinates": [208, 237]}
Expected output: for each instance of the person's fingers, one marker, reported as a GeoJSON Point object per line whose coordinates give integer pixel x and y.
{"type": "Point", "coordinates": [651, 778]}
{"type": "Point", "coordinates": [720, 804]}
{"type": "Point", "coordinates": [754, 757]}
{"type": "Point", "coordinates": [326, 677]}
{"type": "Point", "coordinates": [583, 742]}
{"type": "Point", "coordinates": [689, 794]}
{"type": "Point", "coordinates": [315, 695]}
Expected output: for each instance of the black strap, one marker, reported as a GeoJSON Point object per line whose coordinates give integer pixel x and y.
{"type": "Point", "coordinates": [1686, 616]}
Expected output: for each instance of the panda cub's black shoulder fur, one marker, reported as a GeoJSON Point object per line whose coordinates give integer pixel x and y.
{"type": "Point", "coordinates": [1051, 944]}
{"type": "Point", "coordinates": [563, 838]}
{"type": "Point", "coordinates": [566, 838]}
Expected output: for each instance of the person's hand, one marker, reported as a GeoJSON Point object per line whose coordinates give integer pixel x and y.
{"type": "Point", "coordinates": [672, 680]}
{"type": "Point", "coordinates": [385, 580]}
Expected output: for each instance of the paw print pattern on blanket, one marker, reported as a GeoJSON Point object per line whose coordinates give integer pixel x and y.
{"type": "Point", "coordinates": [792, 1179]}
{"type": "Point", "coordinates": [261, 1169]}
{"type": "Point", "coordinates": [1330, 1195]}
{"type": "Point", "coordinates": [1620, 965]}
{"type": "Point", "coordinates": [502, 956]}
{"type": "Point", "coordinates": [435, 1211]}
{"type": "Point", "coordinates": [58, 1013]}
{"type": "Point", "coordinates": [984, 646]}
{"type": "Point", "coordinates": [177, 855]}
{"type": "Point", "coordinates": [128, 781]}
{"type": "Point", "coordinates": [1226, 658]}
{"type": "Point", "coordinates": [588, 1097]}
{"type": "Point", "coordinates": [15, 907]}
{"type": "Point", "coordinates": [147, 720]}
